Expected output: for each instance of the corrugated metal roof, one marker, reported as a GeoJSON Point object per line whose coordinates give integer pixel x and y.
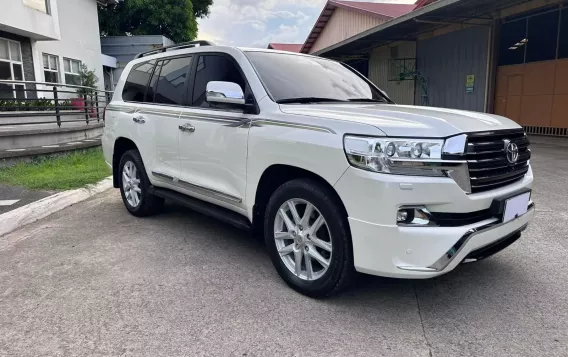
{"type": "Point", "coordinates": [290, 47]}
{"type": "Point", "coordinates": [383, 10]}
{"type": "Point", "coordinates": [427, 18]}
{"type": "Point", "coordinates": [390, 10]}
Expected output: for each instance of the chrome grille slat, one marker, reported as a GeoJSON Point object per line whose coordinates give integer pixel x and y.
{"type": "Point", "coordinates": [487, 161]}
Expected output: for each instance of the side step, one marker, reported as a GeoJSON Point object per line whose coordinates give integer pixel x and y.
{"type": "Point", "coordinates": [206, 208]}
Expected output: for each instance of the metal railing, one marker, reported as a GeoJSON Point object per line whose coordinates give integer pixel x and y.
{"type": "Point", "coordinates": [50, 103]}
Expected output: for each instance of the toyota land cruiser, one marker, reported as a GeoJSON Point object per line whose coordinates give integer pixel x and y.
{"type": "Point", "coordinates": [336, 177]}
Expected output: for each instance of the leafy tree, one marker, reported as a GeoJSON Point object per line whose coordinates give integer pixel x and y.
{"type": "Point", "coordinates": [175, 19]}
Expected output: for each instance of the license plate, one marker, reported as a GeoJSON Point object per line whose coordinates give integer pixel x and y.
{"type": "Point", "coordinates": [516, 206]}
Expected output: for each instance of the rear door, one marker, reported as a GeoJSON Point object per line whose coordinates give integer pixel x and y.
{"type": "Point", "coordinates": [213, 151]}
{"type": "Point", "coordinates": [160, 113]}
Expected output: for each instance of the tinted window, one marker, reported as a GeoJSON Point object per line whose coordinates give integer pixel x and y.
{"type": "Point", "coordinates": [543, 36]}
{"type": "Point", "coordinates": [170, 86]}
{"type": "Point", "coordinates": [214, 68]}
{"type": "Point", "coordinates": [137, 81]}
{"type": "Point", "coordinates": [513, 42]}
{"type": "Point", "coordinates": [153, 83]}
{"type": "Point", "coordinates": [294, 76]}
{"type": "Point", "coordinates": [563, 43]}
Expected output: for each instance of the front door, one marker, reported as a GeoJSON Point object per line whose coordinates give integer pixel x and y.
{"type": "Point", "coordinates": [213, 141]}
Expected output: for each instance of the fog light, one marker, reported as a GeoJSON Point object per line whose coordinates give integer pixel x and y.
{"type": "Point", "coordinates": [414, 216]}
{"type": "Point", "coordinates": [402, 216]}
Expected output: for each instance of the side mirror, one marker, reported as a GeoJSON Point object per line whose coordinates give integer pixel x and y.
{"type": "Point", "coordinates": [225, 92]}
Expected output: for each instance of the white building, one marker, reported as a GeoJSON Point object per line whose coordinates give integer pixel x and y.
{"type": "Point", "coordinates": [46, 41]}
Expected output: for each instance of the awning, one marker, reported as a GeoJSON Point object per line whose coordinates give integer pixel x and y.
{"type": "Point", "coordinates": [408, 27]}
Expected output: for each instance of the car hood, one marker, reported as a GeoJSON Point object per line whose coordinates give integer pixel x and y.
{"type": "Point", "coordinates": [405, 120]}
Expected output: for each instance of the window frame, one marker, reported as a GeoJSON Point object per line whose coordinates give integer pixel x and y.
{"type": "Point", "coordinates": [248, 88]}
{"type": "Point", "coordinates": [147, 83]}
{"type": "Point", "coordinates": [184, 98]}
{"type": "Point", "coordinates": [12, 62]}
{"type": "Point", "coordinates": [49, 69]}
{"type": "Point", "coordinates": [65, 73]}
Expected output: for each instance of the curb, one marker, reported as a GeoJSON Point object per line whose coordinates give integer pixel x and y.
{"type": "Point", "coordinates": [10, 221]}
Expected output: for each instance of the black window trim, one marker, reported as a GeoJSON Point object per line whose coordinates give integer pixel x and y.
{"type": "Point", "coordinates": [193, 74]}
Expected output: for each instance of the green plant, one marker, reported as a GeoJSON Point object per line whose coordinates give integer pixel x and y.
{"type": "Point", "coordinates": [88, 79]}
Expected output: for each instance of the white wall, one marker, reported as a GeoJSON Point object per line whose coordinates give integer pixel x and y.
{"type": "Point", "coordinates": [22, 20]}
{"type": "Point", "coordinates": [80, 38]}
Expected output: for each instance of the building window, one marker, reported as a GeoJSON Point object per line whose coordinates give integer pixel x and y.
{"type": "Point", "coordinates": [563, 42]}
{"type": "Point", "coordinates": [71, 68]}
{"type": "Point", "coordinates": [11, 69]}
{"type": "Point", "coordinates": [543, 37]}
{"type": "Point", "coordinates": [51, 68]}
{"type": "Point", "coordinates": [513, 42]}
{"type": "Point", "coordinates": [39, 5]}
{"type": "Point", "coordinates": [533, 37]}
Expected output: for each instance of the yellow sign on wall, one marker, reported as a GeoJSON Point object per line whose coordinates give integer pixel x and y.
{"type": "Point", "coordinates": [469, 83]}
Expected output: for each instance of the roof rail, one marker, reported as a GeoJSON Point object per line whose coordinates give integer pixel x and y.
{"type": "Point", "coordinates": [177, 46]}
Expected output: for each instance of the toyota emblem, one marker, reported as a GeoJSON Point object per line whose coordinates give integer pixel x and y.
{"type": "Point", "coordinates": [512, 151]}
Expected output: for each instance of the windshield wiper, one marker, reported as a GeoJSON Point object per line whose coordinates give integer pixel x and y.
{"type": "Point", "coordinates": [367, 100]}
{"type": "Point", "coordinates": [308, 100]}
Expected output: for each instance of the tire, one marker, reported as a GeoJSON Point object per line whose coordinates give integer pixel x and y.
{"type": "Point", "coordinates": [340, 270]}
{"type": "Point", "coordinates": [147, 204]}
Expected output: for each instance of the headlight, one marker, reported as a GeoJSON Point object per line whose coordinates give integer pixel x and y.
{"type": "Point", "coordinates": [399, 156]}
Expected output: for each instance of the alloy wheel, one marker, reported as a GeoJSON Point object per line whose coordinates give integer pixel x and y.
{"type": "Point", "coordinates": [303, 239]}
{"type": "Point", "coordinates": [131, 184]}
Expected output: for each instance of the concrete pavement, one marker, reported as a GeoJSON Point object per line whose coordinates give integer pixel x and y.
{"type": "Point", "coordinates": [92, 280]}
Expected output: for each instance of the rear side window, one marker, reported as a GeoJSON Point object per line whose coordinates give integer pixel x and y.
{"type": "Point", "coordinates": [171, 82]}
{"type": "Point", "coordinates": [214, 68]}
{"type": "Point", "coordinates": [137, 81]}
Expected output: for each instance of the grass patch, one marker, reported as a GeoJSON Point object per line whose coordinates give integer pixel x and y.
{"type": "Point", "coordinates": [61, 172]}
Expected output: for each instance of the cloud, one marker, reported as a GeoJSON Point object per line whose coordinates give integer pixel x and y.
{"type": "Point", "coordinates": [257, 22]}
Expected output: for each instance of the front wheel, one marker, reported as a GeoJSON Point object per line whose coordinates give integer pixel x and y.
{"type": "Point", "coordinates": [307, 237]}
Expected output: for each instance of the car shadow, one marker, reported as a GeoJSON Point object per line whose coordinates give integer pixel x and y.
{"type": "Point", "coordinates": [468, 287]}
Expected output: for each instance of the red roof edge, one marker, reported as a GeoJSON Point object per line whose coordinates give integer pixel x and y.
{"type": "Point", "coordinates": [290, 47]}
{"type": "Point", "coordinates": [422, 3]}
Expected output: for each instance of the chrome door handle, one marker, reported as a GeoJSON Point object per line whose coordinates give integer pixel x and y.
{"type": "Point", "coordinates": [187, 128]}
{"type": "Point", "coordinates": [139, 119]}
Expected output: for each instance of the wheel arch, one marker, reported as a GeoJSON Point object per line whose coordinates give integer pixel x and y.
{"type": "Point", "coordinates": [121, 145]}
{"type": "Point", "coordinates": [275, 176]}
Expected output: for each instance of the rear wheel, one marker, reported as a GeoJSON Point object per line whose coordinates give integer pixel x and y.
{"type": "Point", "coordinates": [134, 186]}
{"type": "Point", "coordinates": [308, 239]}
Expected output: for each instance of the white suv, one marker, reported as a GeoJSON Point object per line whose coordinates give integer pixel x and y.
{"type": "Point", "coordinates": [308, 152]}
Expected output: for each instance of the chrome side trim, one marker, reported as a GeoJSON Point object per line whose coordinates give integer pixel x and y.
{"type": "Point", "coordinates": [163, 176]}
{"type": "Point", "coordinates": [169, 113]}
{"type": "Point", "coordinates": [450, 255]}
{"type": "Point", "coordinates": [119, 108]}
{"type": "Point", "coordinates": [209, 191]}
{"type": "Point", "coordinates": [261, 122]}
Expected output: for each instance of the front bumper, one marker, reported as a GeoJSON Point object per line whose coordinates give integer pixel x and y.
{"type": "Point", "coordinates": [383, 248]}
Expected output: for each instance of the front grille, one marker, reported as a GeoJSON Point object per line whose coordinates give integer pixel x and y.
{"type": "Point", "coordinates": [487, 160]}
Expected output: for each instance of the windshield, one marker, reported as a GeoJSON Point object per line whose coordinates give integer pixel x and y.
{"type": "Point", "coordinates": [292, 78]}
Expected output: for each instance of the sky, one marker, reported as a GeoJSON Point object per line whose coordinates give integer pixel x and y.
{"type": "Point", "coordinates": [255, 23]}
